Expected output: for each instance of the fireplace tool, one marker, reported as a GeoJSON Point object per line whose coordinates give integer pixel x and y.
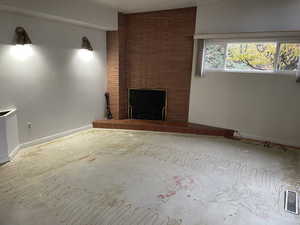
{"type": "Point", "coordinates": [108, 112]}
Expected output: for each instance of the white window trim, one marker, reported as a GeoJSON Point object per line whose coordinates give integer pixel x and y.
{"type": "Point", "coordinates": [254, 35]}
{"type": "Point", "coordinates": [292, 73]}
{"type": "Point", "coordinates": [278, 42]}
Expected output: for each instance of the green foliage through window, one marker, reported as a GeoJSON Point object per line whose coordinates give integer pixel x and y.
{"type": "Point", "coordinates": [252, 56]}
{"type": "Point", "coordinates": [215, 56]}
{"type": "Point", "coordinates": [289, 56]}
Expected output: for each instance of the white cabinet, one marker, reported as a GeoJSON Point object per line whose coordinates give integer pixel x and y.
{"type": "Point", "coordinates": [9, 137]}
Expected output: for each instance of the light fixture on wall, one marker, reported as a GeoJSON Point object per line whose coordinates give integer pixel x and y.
{"type": "Point", "coordinates": [86, 51]}
{"type": "Point", "coordinates": [21, 37]}
{"type": "Point", "coordinates": [86, 44]}
{"type": "Point", "coordinates": [22, 44]}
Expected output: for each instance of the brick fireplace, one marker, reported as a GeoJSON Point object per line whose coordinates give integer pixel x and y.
{"type": "Point", "coordinates": [152, 50]}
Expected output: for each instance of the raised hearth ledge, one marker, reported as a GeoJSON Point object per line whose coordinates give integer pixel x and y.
{"type": "Point", "coordinates": [164, 126]}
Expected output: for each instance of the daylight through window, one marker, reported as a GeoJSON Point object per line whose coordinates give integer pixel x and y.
{"type": "Point", "coordinates": [257, 56]}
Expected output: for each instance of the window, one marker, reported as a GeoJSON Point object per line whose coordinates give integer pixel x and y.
{"type": "Point", "coordinates": [251, 56]}
{"type": "Point", "coordinates": [215, 56]}
{"type": "Point", "coordinates": [289, 56]}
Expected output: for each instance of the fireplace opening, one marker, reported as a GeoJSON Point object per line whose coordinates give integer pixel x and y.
{"type": "Point", "coordinates": [147, 104]}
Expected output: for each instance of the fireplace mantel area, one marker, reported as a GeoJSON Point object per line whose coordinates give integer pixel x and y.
{"type": "Point", "coordinates": [152, 51]}
{"type": "Point", "coordinates": [149, 65]}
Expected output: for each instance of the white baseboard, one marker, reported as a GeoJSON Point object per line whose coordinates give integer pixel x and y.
{"type": "Point", "coordinates": [54, 136]}
{"type": "Point", "coordinates": [268, 139]}
{"type": "Point", "coordinates": [14, 152]}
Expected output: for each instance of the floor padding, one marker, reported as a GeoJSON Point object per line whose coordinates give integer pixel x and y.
{"type": "Point", "coordinates": [120, 177]}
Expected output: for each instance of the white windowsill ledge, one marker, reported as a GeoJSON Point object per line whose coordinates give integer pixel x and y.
{"type": "Point", "coordinates": [290, 73]}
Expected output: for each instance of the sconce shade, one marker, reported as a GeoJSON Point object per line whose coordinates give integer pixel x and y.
{"type": "Point", "coordinates": [86, 44]}
{"type": "Point", "coordinates": [21, 37]}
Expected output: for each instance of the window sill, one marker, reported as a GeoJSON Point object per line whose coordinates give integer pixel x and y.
{"type": "Point", "coordinates": [291, 73]}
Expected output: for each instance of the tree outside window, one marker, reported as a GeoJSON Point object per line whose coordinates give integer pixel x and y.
{"type": "Point", "coordinates": [257, 56]}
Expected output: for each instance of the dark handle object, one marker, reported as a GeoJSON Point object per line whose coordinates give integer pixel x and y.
{"type": "Point", "coordinates": [108, 112]}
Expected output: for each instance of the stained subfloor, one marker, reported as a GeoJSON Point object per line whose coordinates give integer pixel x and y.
{"type": "Point", "coordinates": [119, 177]}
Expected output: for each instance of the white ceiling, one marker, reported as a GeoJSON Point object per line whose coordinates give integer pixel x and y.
{"type": "Point", "coordinates": [132, 6]}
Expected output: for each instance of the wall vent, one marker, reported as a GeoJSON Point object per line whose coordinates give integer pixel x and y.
{"type": "Point", "coordinates": [291, 202]}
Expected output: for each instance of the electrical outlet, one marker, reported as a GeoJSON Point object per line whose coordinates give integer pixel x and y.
{"type": "Point", "coordinates": [29, 125]}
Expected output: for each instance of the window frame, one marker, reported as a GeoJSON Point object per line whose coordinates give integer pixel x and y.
{"type": "Point", "coordinates": [225, 42]}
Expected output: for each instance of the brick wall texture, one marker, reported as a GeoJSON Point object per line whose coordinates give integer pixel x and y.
{"type": "Point", "coordinates": [152, 50]}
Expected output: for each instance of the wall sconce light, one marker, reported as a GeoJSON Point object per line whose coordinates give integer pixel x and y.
{"type": "Point", "coordinates": [21, 37]}
{"type": "Point", "coordinates": [86, 44]}
{"type": "Point", "coordinates": [21, 49]}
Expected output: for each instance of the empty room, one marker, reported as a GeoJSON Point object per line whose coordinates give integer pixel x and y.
{"type": "Point", "coordinates": [138, 112]}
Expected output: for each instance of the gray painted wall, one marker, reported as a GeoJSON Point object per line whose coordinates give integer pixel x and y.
{"type": "Point", "coordinates": [262, 106]}
{"type": "Point", "coordinates": [248, 16]}
{"type": "Point", "coordinates": [56, 89]}
{"type": "Point", "coordinates": [75, 10]}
